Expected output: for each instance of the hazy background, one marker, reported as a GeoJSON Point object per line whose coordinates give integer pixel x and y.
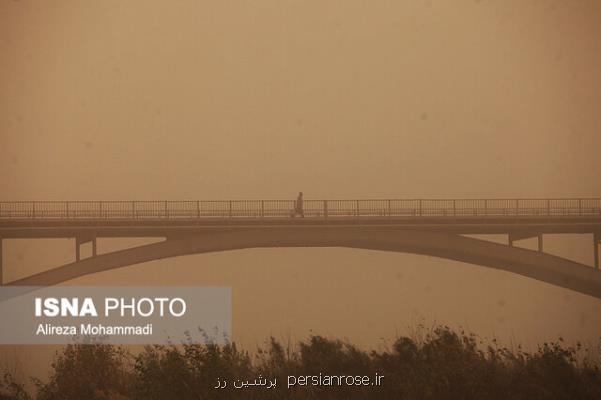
{"type": "Point", "coordinates": [260, 99]}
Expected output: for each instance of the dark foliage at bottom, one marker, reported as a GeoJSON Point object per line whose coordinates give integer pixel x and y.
{"type": "Point", "coordinates": [443, 365]}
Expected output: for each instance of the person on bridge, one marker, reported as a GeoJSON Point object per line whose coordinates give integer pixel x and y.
{"type": "Point", "coordinates": [298, 206]}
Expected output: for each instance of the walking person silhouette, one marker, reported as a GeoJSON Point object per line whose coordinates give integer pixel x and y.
{"type": "Point", "coordinates": [298, 206]}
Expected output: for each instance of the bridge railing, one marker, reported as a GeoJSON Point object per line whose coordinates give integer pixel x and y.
{"type": "Point", "coordinates": [285, 208]}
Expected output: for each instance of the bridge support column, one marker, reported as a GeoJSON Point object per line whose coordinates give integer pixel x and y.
{"type": "Point", "coordinates": [596, 241]}
{"type": "Point", "coordinates": [526, 235]}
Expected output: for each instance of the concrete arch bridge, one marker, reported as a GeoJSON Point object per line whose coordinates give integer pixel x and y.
{"type": "Point", "coordinates": [434, 227]}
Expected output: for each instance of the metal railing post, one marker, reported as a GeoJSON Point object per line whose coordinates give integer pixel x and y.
{"type": "Point", "coordinates": [197, 208]}
{"type": "Point", "coordinates": [325, 209]}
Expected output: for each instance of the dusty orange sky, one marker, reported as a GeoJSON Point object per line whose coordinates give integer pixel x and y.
{"type": "Point", "coordinates": [340, 99]}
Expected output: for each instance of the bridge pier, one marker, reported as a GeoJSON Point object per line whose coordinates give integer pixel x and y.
{"type": "Point", "coordinates": [596, 242]}
{"type": "Point", "coordinates": [519, 236]}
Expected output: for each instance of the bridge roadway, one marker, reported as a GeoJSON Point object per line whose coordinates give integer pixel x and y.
{"type": "Point", "coordinates": [429, 227]}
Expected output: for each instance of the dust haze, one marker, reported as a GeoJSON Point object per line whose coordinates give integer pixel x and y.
{"type": "Point", "coordinates": [157, 100]}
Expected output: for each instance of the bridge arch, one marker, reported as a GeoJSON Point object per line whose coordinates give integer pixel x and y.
{"type": "Point", "coordinates": [533, 264]}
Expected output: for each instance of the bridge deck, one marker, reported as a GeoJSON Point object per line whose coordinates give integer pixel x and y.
{"type": "Point", "coordinates": [285, 208]}
{"type": "Point", "coordinates": [164, 218]}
